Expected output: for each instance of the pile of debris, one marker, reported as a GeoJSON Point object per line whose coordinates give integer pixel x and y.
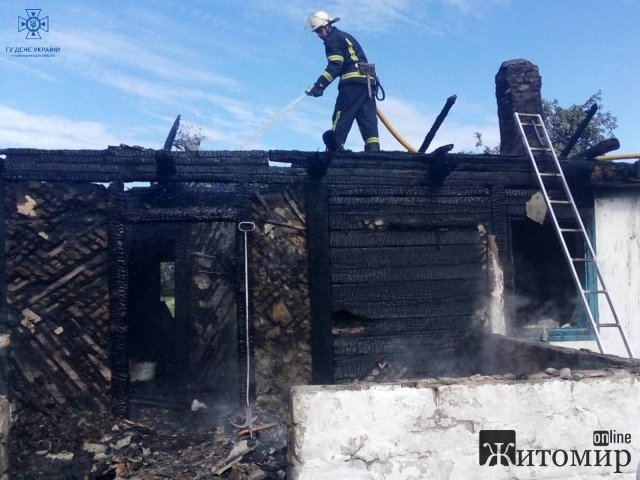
{"type": "Point", "coordinates": [154, 448]}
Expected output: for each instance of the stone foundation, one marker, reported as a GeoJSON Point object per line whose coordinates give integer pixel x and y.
{"type": "Point", "coordinates": [431, 429]}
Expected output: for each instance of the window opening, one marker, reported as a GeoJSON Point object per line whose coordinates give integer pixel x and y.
{"type": "Point", "coordinates": [546, 302]}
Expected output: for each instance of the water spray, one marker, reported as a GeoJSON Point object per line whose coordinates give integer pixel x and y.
{"type": "Point", "coordinates": [272, 121]}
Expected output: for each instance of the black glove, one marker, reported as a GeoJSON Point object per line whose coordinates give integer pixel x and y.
{"type": "Point", "coordinates": [315, 91]}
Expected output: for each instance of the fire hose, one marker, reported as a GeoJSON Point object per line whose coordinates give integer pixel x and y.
{"type": "Point", "coordinates": [376, 90]}
{"type": "Point", "coordinates": [394, 132]}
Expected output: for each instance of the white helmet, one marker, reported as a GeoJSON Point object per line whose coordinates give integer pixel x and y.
{"type": "Point", "coordinates": [318, 20]}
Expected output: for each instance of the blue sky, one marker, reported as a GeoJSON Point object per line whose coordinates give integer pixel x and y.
{"type": "Point", "coordinates": [125, 69]}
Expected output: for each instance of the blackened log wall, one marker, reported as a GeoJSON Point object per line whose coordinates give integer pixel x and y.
{"type": "Point", "coordinates": [406, 272]}
{"type": "Point", "coordinates": [397, 234]}
{"type": "Point", "coordinates": [407, 264]}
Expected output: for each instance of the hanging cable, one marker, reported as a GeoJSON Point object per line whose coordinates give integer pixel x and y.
{"type": "Point", "coordinates": [246, 227]}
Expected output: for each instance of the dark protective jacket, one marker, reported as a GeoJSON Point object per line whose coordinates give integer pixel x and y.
{"type": "Point", "coordinates": [343, 55]}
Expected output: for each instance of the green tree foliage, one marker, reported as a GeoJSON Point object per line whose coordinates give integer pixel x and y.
{"type": "Point", "coordinates": [562, 122]}
{"type": "Point", "coordinates": [167, 279]}
{"type": "Point", "coordinates": [485, 148]}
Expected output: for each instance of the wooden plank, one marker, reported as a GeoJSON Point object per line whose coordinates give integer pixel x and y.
{"type": "Point", "coordinates": [133, 156]}
{"type": "Point", "coordinates": [448, 236]}
{"type": "Point", "coordinates": [490, 178]}
{"type": "Point", "coordinates": [371, 257]}
{"type": "Point", "coordinates": [436, 291]}
{"type": "Point", "coordinates": [427, 209]}
{"type": "Point", "coordinates": [404, 300]}
{"type": "Point", "coordinates": [390, 344]}
{"type": "Point", "coordinates": [390, 274]}
{"type": "Point", "coordinates": [381, 161]}
{"type": "Point", "coordinates": [398, 326]}
{"type": "Point", "coordinates": [494, 167]}
{"type": "Point", "coordinates": [438, 191]}
{"type": "Point", "coordinates": [425, 310]}
{"type": "Point", "coordinates": [417, 179]}
{"type": "Point", "coordinates": [190, 214]}
{"type": "Point", "coordinates": [425, 202]}
{"type": "Point", "coordinates": [423, 221]}
{"type": "Point", "coordinates": [100, 174]}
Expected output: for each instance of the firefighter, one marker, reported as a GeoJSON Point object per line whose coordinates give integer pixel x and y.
{"type": "Point", "coordinates": [356, 91]}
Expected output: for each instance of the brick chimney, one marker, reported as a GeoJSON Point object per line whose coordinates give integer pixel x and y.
{"type": "Point", "coordinates": [518, 89]}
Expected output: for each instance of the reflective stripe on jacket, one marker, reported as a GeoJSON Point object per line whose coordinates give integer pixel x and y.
{"type": "Point", "coordinates": [343, 55]}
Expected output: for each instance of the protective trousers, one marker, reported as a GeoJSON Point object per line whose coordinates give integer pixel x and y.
{"type": "Point", "coordinates": [354, 103]}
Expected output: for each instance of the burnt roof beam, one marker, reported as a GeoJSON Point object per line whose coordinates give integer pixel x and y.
{"type": "Point", "coordinates": [436, 125]}
{"type": "Point", "coordinates": [579, 131]}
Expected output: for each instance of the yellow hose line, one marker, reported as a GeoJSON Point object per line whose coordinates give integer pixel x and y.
{"type": "Point", "coordinates": [622, 156]}
{"type": "Point", "coordinates": [393, 132]}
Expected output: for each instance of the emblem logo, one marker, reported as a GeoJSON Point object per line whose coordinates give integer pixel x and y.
{"type": "Point", "coordinates": [497, 447]}
{"type": "Point", "coordinates": [33, 23]}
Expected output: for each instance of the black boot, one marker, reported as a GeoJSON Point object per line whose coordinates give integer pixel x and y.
{"type": "Point", "coordinates": [372, 147]}
{"type": "Point", "coordinates": [329, 139]}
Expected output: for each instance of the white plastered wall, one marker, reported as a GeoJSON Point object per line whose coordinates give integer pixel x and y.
{"type": "Point", "coordinates": [429, 430]}
{"type": "Point", "coordinates": [617, 233]}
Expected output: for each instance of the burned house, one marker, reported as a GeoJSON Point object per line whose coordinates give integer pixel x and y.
{"type": "Point", "coordinates": [137, 278]}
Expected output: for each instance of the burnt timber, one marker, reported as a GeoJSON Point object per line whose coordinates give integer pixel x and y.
{"type": "Point", "coordinates": [394, 247]}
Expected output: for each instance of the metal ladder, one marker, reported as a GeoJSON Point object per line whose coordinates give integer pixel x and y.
{"type": "Point", "coordinates": [548, 169]}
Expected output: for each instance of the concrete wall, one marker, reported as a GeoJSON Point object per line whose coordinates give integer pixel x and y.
{"type": "Point", "coordinates": [431, 429]}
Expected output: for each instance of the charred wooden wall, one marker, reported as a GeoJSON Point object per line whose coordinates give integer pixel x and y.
{"type": "Point", "coordinates": [397, 262]}
{"type": "Point", "coordinates": [398, 270]}
{"type": "Point", "coordinates": [280, 293]}
{"type": "Point", "coordinates": [57, 301]}
{"type": "Point", "coordinates": [407, 265]}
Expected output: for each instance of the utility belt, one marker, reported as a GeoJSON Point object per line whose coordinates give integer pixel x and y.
{"type": "Point", "coordinates": [373, 82]}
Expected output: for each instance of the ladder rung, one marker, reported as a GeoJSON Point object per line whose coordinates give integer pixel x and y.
{"type": "Point", "coordinates": [540, 149]}
{"type": "Point", "coordinates": [617, 325]}
{"type": "Point", "coordinates": [550, 174]}
{"type": "Point", "coordinates": [563, 202]}
{"type": "Point", "coordinates": [582, 260]}
{"type": "Point", "coordinates": [595, 291]}
{"type": "Point", "coordinates": [573, 230]}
